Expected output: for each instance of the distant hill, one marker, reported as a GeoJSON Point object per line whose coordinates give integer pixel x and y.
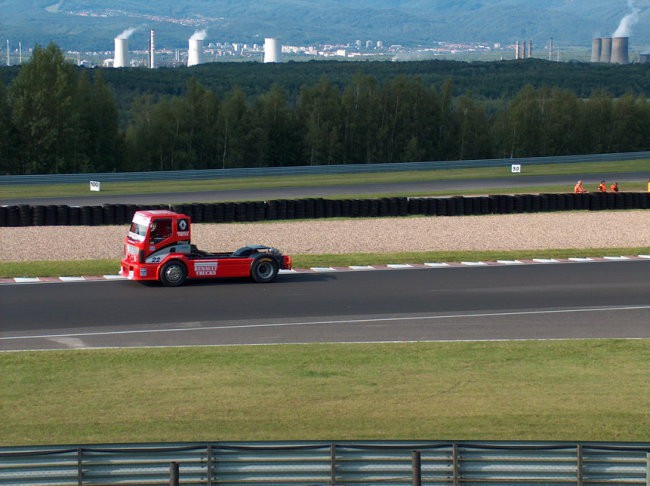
{"type": "Point", "coordinates": [79, 24]}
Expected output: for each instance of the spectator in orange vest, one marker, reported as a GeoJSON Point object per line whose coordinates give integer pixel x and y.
{"type": "Point", "coordinates": [614, 187]}
{"type": "Point", "coordinates": [579, 188]}
{"type": "Point", "coordinates": [602, 187]}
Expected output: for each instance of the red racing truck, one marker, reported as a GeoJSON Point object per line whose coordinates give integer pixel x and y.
{"type": "Point", "coordinates": [158, 248]}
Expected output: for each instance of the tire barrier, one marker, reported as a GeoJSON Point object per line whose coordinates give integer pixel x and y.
{"type": "Point", "coordinates": [317, 208]}
{"type": "Point", "coordinates": [38, 216]}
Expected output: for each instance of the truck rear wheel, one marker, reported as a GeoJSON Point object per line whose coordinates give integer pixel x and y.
{"type": "Point", "coordinates": [173, 274]}
{"type": "Point", "coordinates": [264, 269]}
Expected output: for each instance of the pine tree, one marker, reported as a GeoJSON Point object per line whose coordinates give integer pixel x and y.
{"type": "Point", "coordinates": [42, 99]}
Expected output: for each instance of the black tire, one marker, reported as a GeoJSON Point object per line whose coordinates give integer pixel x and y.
{"type": "Point", "coordinates": [264, 269]}
{"type": "Point", "coordinates": [173, 274]}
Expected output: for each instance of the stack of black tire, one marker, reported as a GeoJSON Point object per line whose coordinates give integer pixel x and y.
{"type": "Point", "coordinates": [316, 208]}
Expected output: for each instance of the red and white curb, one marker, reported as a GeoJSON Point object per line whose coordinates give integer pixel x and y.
{"type": "Point", "coordinates": [405, 266]}
{"type": "Point", "coordinates": [365, 268]}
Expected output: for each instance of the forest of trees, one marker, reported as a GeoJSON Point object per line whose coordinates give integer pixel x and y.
{"type": "Point", "coordinates": [55, 118]}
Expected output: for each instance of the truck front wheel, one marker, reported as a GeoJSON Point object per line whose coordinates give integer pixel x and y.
{"type": "Point", "coordinates": [173, 274]}
{"type": "Point", "coordinates": [264, 270]}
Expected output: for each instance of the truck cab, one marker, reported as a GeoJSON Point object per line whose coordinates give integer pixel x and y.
{"type": "Point", "coordinates": [158, 248]}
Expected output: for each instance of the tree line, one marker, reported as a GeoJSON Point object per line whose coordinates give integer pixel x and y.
{"type": "Point", "coordinates": [55, 118]}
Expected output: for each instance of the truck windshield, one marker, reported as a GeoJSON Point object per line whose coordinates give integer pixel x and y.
{"type": "Point", "coordinates": [137, 231]}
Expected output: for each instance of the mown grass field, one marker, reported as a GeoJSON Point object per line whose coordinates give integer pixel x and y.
{"type": "Point", "coordinates": [535, 390]}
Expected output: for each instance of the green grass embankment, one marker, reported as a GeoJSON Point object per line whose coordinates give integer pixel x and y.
{"type": "Point", "coordinates": [536, 390]}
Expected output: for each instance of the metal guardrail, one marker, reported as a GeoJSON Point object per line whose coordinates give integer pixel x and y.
{"type": "Point", "coordinates": [328, 463]}
{"type": "Point", "coordinates": [310, 170]}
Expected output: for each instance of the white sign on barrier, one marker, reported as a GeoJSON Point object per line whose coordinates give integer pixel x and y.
{"type": "Point", "coordinates": [516, 168]}
{"type": "Point", "coordinates": [95, 186]}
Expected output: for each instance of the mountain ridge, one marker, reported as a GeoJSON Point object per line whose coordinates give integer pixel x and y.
{"type": "Point", "coordinates": [76, 24]}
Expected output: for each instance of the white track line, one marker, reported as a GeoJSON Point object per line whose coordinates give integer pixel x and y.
{"type": "Point", "coordinates": [322, 323]}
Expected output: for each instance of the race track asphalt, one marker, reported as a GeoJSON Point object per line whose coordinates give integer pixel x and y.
{"type": "Point", "coordinates": [554, 301]}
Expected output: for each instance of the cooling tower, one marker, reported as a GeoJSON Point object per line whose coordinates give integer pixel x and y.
{"type": "Point", "coordinates": [121, 52]}
{"type": "Point", "coordinates": [596, 47]}
{"type": "Point", "coordinates": [606, 49]}
{"type": "Point", "coordinates": [272, 50]}
{"type": "Point", "coordinates": [194, 53]}
{"type": "Point", "coordinates": [620, 50]}
{"type": "Point", "coordinates": [644, 58]}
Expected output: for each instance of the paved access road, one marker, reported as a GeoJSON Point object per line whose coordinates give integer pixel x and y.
{"type": "Point", "coordinates": [516, 181]}
{"type": "Point", "coordinates": [554, 301]}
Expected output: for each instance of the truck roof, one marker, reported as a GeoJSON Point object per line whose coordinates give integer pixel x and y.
{"type": "Point", "coordinates": [150, 213]}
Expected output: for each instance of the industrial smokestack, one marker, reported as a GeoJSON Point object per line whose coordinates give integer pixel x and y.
{"type": "Point", "coordinates": [195, 48]}
{"type": "Point", "coordinates": [596, 48]}
{"type": "Point", "coordinates": [272, 50]}
{"type": "Point", "coordinates": [152, 50]}
{"type": "Point", "coordinates": [620, 50]}
{"type": "Point", "coordinates": [530, 49]}
{"type": "Point", "coordinates": [517, 50]}
{"type": "Point", "coordinates": [606, 49]}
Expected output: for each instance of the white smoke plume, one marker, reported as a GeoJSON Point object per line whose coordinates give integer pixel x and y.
{"type": "Point", "coordinates": [199, 35]}
{"type": "Point", "coordinates": [625, 26]}
{"type": "Point", "coordinates": [126, 34]}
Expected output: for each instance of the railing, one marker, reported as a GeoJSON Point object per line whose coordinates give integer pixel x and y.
{"type": "Point", "coordinates": [328, 463]}
{"type": "Point", "coordinates": [311, 170]}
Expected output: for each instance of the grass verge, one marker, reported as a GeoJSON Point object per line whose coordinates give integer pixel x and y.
{"type": "Point", "coordinates": [75, 268]}
{"type": "Point", "coordinates": [537, 390]}
{"type": "Point", "coordinates": [17, 191]}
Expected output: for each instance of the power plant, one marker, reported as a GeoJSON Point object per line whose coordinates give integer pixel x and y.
{"type": "Point", "coordinates": [272, 50]}
{"type": "Point", "coordinates": [596, 49]}
{"type": "Point", "coordinates": [606, 49]}
{"type": "Point", "coordinates": [194, 52]}
{"type": "Point", "coordinates": [121, 58]}
{"type": "Point", "coordinates": [195, 48]}
{"type": "Point", "coordinates": [612, 50]}
{"type": "Point", "coordinates": [620, 46]}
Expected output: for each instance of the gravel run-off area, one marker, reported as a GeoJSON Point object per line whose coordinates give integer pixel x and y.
{"type": "Point", "coordinates": [602, 229]}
